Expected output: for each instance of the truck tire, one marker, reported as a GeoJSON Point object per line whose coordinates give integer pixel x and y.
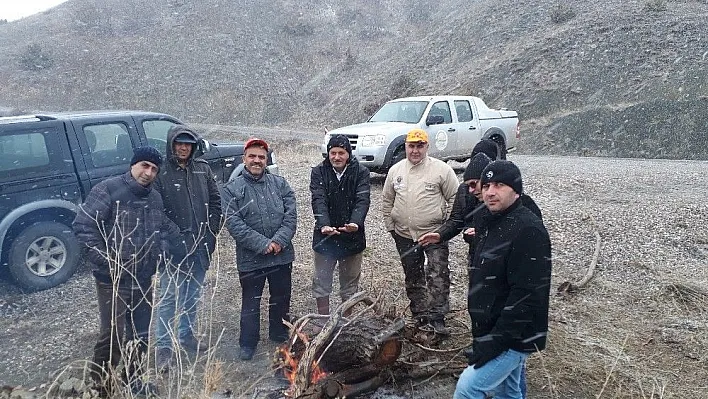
{"type": "Point", "coordinates": [398, 155]}
{"type": "Point", "coordinates": [43, 255]}
{"type": "Point", "coordinates": [502, 146]}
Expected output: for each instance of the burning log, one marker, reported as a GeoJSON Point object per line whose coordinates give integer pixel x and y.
{"type": "Point", "coordinates": [342, 356]}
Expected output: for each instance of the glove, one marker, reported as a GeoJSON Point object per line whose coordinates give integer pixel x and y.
{"type": "Point", "coordinates": [482, 352]}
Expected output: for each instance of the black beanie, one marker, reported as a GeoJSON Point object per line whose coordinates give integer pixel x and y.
{"type": "Point", "coordinates": [503, 172]}
{"type": "Point", "coordinates": [146, 153]}
{"type": "Point", "coordinates": [339, 140]}
{"type": "Point", "coordinates": [487, 146]}
{"type": "Point", "coordinates": [476, 166]}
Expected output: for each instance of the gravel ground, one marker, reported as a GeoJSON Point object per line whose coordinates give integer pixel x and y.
{"type": "Point", "coordinates": [637, 329]}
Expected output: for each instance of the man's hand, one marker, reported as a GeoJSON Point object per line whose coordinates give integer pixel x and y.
{"type": "Point", "coordinates": [484, 352]}
{"type": "Point", "coordinates": [349, 228]}
{"type": "Point", "coordinates": [468, 231]}
{"type": "Point", "coordinates": [329, 230]}
{"type": "Point", "coordinates": [429, 238]}
{"type": "Point", "coordinates": [273, 248]}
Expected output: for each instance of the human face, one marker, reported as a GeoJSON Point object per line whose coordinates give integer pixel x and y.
{"type": "Point", "coordinates": [416, 152]}
{"type": "Point", "coordinates": [254, 160]}
{"type": "Point", "coordinates": [475, 188]}
{"type": "Point", "coordinates": [498, 196]}
{"type": "Point", "coordinates": [144, 172]}
{"type": "Point", "coordinates": [182, 151]}
{"type": "Point", "coordinates": [339, 157]}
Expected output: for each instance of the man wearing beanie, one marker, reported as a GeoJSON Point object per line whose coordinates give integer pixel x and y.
{"type": "Point", "coordinates": [417, 198]}
{"type": "Point", "coordinates": [490, 148]}
{"type": "Point", "coordinates": [123, 230]}
{"type": "Point", "coordinates": [510, 279]}
{"type": "Point", "coordinates": [340, 201]}
{"type": "Point", "coordinates": [192, 201]}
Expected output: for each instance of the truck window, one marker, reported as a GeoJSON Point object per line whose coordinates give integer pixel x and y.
{"type": "Point", "coordinates": [156, 133]}
{"type": "Point", "coordinates": [23, 154]}
{"type": "Point", "coordinates": [441, 108]}
{"type": "Point", "coordinates": [109, 144]}
{"type": "Point", "coordinates": [464, 111]}
{"type": "Point", "coordinates": [400, 111]}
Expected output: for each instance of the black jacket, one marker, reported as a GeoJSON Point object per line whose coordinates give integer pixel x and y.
{"type": "Point", "coordinates": [138, 240]}
{"type": "Point", "coordinates": [510, 278]}
{"type": "Point", "coordinates": [191, 197]}
{"type": "Point", "coordinates": [338, 202]}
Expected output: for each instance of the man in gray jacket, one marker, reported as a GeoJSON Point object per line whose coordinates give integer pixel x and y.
{"type": "Point", "coordinates": [261, 217]}
{"type": "Point", "coordinates": [192, 200]}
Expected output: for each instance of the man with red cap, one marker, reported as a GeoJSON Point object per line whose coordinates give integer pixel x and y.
{"type": "Point", "coordinates": [261, 216]}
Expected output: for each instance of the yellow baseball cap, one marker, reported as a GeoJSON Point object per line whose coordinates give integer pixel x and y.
{"type": "Point", "coordinates": [417, 136]}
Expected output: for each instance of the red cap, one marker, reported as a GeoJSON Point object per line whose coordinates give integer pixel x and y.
{"type": "Point", "coordinates": [256, 142]}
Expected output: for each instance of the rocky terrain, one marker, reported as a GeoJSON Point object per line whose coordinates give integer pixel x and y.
{"type": "Point", "coordinates": [637, 329]}
{"type": "Point", "coordinates": [587, 77]}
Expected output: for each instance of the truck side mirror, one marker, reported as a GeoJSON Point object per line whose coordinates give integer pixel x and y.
{"type": "Point", "coordinates": [434, 120]}
{"type": "Point", "coordinates": [204, 146]}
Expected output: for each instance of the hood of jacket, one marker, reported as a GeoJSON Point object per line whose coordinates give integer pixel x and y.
{"type": "Point", "coordinates": [175, 131]}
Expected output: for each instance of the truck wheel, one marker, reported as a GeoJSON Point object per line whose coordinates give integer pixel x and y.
{"type": "Point", "coordinates": [398, 155]}
{"type": "Point", "coordinates": [43, 255]}
{"type": "Point", "coordinates": [502, 146]}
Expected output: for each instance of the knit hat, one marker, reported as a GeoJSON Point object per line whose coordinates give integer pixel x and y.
{"type": "Point", "coordinates": [339, 140]}
{"type": "Point", "coordinates": [488, 147]}
{"type": "Point", "coordinates": [503, 172]}
{"type": "Point", "coordinates": [476, 166]}
{"type": "Point", "coordinates": [255, 142]}
{"type": "Point", "coordinates": [146, 153]}
{"type": "Point", "coordinates": [417, 136]}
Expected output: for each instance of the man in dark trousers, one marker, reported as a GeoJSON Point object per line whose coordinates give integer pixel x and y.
{"type": "Point", "coordinates": [340, 201]}
{"type": "Point", "coordinates": [123, 228]}
{"type": "Point", "coordinates": [192, 200]}
{"type": "Point", "coordinates": [510, 279]}
{"type": "Point", "coordinates": [261, 216]}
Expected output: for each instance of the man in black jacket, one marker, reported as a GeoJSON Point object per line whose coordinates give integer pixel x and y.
{"type": "Point", "coordinates": [340, 201]}
{"type": "Point", "coordinates": [510, 278]}
{"type": "Point", "coordinates": [123, 228]}
{"type": "Point", "coordinates": [193, 202]}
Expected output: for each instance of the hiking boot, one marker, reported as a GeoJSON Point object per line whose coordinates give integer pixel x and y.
{"type": "Point", "coordinates": [191, 344]}
{"type": "Point", "coordinates": [141, 389]}
{"type": "Point", "coordinates": [163, 359]}
{"type": "Point", "coordinates": [246, 353]}
{"type": "Point", "coordinates": [439, 328]}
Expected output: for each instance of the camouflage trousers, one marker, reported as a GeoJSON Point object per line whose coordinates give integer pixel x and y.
{"type": "Point", "coordinates": [427, 284]}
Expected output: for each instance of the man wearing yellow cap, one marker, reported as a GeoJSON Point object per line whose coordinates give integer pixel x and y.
{"type": "Point", "coordinates": [417, 199]}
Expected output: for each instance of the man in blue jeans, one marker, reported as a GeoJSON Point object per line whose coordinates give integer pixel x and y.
{"type": "Point", "coordinates": [192, 201]}
{"type": "Point", "coordinates": [261, 216]}
{"type": "Point", "coordinates": [510, 276]}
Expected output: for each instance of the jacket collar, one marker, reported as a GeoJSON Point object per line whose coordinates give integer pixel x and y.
{"type": "Point", "coordinates": [135, 187]}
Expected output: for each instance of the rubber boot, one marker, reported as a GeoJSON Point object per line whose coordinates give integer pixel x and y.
{"type": "Point", "coordinates": [323, 305]}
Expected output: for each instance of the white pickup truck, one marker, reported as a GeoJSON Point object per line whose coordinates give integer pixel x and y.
{"type": "Point", "coordinates": [455, 124]}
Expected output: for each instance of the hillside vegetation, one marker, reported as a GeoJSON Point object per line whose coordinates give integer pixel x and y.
{"type": "Point", "coordinates": [587, 77]}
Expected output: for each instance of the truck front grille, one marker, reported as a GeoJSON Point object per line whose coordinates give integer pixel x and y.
{"type": "Point", "coordinates": [353, 140]}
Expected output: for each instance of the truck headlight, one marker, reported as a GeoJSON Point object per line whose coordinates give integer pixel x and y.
{"type": "Point", "coordinates": [371, 141]}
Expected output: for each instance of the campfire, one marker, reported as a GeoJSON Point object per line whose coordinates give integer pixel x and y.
{"type": "Point", "coordinates": [332, 356]}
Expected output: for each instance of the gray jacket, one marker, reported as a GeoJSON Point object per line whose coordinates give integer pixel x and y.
{"type": "Point", "coordinates": [259, 211]}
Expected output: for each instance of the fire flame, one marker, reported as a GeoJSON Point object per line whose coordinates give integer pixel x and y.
{"type": "Point", "coordinates": [289, 363]}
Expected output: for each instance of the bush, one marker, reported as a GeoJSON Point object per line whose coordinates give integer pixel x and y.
{"type": "Point", "coordinates": [3, 21]}
{"type": "Point", "coordinates": [655, 5]}
{"type": "Point", "coordinates": [403, 86]}
{"type": "Point", "coordinates": [35, 59]}
{"type": "Point", "coordinates": [299, 28]}
{"type": "Point", "coordinates": [562, 13]}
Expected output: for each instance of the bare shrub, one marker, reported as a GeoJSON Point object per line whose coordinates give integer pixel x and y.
{"type": "Point", "coordinates": [34, 58]}
{"type": "Point", "coordinates": [299, 28]}
{"type": "Point", "coordinates": [403, 86]}
{"type": "Point", "coordinates": [562, 13]}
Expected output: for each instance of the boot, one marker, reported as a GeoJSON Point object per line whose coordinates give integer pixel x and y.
{"type": "Point", "coordinates": [322, 305]}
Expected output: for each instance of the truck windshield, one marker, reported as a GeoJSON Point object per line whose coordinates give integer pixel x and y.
{"type": "Point", "coordinates": [400, 111]}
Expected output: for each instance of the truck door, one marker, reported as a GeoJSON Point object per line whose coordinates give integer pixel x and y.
{"type": "Point", "coordinates": [442, 136]}
{"type": "Point", "coordinates": [468, 132]}
{"type": "Point", "coordinates": [106, 146]}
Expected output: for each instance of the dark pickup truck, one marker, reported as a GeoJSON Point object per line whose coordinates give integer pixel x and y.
{"type": "Point", "coordinates": [48, 164]}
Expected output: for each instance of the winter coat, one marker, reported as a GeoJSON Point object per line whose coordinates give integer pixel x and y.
{"type": "Point", "coordinates": [510, 280]}
{"type": "Point", "coordinates": [136, 241]}
{"type": "Point", "coordinates": [417, 199]}
{"type": "Point", "coordinates": [338, 202]}
{"type": "Point", "coordinates": [191, 196]}
{"type": "Point", "coordinates": [258, 212]}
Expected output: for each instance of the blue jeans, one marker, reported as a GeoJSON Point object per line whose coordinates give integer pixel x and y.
{"type": "Point", "coordinates": [180, 292]}
{"type": "Point", "coordinates": [501, 376]}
